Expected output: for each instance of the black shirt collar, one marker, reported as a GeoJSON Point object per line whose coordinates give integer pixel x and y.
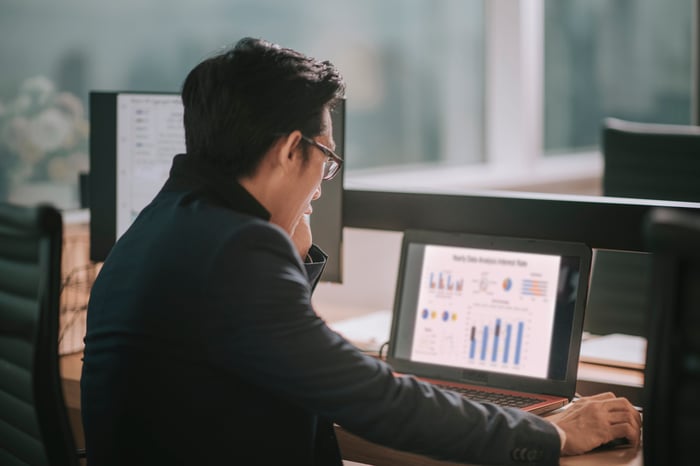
{"type": "Point", "coordinates": [189, 173]}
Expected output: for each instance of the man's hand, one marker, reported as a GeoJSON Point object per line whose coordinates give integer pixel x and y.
{"type": "Point", "coordinates": [594, 420]}
{"type": "Point", "coordinates": [301, 236]}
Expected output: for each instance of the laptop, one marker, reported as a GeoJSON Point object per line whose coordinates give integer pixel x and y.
{"type": "Point", "coordinates": [496, 318]}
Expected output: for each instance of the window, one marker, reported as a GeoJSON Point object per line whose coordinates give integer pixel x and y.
{"type": "Point", "coordinates": [442, 95]}
{"type": "Point", "coordinates": [629, 59]}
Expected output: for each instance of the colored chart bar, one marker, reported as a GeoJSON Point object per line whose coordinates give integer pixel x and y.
{"type": "Point", "coordinates": [519, 342]}
{"type": "Point", "coordinates": [496, 335]}
{"type": "Point", "coordinates": [507, 347]}
{"type": "Point", "coordinates": [484, 342]}
{"type": "Point", "coordinates": [472, 343]}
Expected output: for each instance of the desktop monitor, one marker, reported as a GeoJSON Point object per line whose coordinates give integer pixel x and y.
{"type": "Point", "coordinates": [133, 139]}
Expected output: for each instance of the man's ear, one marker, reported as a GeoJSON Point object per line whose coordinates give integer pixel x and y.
{"type": "Point", "coordinates": [288, 152]}
{"type": "Point", "coordinates": [290, 144]}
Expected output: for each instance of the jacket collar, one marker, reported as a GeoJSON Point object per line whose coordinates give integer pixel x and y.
{"type": "Point", "coordinates": [189, 173]}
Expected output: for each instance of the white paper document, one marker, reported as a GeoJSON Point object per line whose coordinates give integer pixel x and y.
{"type": "Point", "coordinates": [616, 349]}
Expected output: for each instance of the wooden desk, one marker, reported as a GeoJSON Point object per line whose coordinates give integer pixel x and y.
{"type": "Point", "coordinates": [361, 451]}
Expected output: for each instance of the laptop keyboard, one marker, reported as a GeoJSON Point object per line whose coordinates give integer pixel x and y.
{"type": "Point", "coordinates": [502, 399]}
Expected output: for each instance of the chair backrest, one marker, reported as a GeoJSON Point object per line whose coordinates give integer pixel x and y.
{"type": "Point", "coordinates": [651, 161]}
{"type": "Point", "coordinates": [672, 374]}
{"type": "Point", "coordinates": [645, 161]}
{"type": "Point", "coordinates": [34, 425]}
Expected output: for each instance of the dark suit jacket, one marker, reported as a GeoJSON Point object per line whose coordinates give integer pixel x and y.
{"type": "Point", "coordinates": [203, 348]}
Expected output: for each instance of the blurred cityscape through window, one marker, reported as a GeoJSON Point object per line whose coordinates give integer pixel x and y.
{"type": "Point", "coordinates": [416, 73]}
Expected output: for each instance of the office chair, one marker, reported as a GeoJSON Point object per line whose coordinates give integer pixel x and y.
{"type": "Point", "coordinates": [646, 161]}
{"type": "Point", "coordinates": [651, 161]}
{"type": "Point", "coordinates": [672, 374]}
{"type": "Point", "coordinates": [34, 425]}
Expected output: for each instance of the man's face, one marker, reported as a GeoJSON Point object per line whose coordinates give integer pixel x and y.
{"type": "Point", "coordinates": [311, 175]}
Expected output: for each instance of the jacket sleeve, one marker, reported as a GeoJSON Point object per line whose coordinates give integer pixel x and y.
{"type": "Point", "coordinates": [285, 347]}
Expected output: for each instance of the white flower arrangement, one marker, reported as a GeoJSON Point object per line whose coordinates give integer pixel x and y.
{"type": "Point", "coordinates": [43, 135]}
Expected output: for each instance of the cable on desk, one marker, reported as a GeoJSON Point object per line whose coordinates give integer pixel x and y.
{"type": "Point", "coordinates": [383, 348]}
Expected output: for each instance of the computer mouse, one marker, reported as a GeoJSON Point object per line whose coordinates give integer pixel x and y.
{"type": "Point", "coordinates": [614, 443]}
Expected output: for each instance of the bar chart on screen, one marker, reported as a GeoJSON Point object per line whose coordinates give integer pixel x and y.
{"type": "Point", "coordinates": [488, 311]}
{"type": "Point", "coordinates": [500, 350]}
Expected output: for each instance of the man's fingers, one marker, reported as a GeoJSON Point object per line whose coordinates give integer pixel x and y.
{"type": "Point", "coordinates": [626, 431]}
{"type": "Point", "coordinates": [630, 423]}
{"type": "Point", "coordinates": [598, 396]}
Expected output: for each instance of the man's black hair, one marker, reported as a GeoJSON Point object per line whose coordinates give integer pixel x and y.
{"type": "Point", "coordinates": [237, 102]}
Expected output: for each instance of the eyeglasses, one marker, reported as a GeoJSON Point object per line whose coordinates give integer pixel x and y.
{"type": "Point", "coordinates": [333, 160]}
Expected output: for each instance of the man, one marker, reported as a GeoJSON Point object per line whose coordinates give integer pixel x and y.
{"type": "Point", "coordinates": [202, 345]}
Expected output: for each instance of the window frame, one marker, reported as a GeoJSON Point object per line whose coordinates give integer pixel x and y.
{"type": "Point", "coordinates": [514, 46]}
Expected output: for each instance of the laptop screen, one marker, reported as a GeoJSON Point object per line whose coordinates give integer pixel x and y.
{"type": "Point", "coordinates": [482, 308]}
